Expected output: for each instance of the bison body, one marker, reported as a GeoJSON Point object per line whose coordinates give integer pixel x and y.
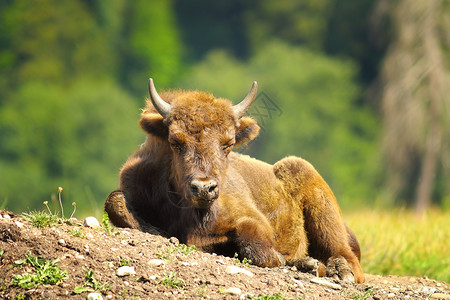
{"type": "Point", "coordinates": [185, 181]}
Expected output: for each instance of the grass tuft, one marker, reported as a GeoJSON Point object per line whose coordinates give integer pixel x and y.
{"type": "Point", "coordinates": [45, 272]}
{"type": "Point", "coordinates": [172, 281]}
{"type": "Point", "coordinates": [42, 219]}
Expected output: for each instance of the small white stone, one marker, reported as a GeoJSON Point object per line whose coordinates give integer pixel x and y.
{"type": "Point", "coordinates": [220, 261]}
{"type": "Point", "coordinates": [440, 296]}
{"type": "Point", "coordinates": [233, 291]}
{"type": "Point", "coordinates": [94, 296]}
{"type": "Point", "coordinates": [126, 283]}
{"type": "Point", "coordinates": [125, 232]}
{"type": "Point", "coordinates": [326, 283]}
{"type": "Point", "coordinates": [19, 224]}
{"type": "Point", "coordinates": [62, 242]}
{"type": "Point", "coordinates": [153, 277]}
{"type": "Point", "coordinates": [91, 222]}
{"type": "Point", "coordinates": [79, 256]}
{"type": "Point", "coordinates": [237, 270]}
{"type": "Point", "coordinates": [156, 262]}
{"type": "Point", "coordinates": [194, 263]}
{"type": "Point", "coordinates": [125, 270]}
{"type": "Point", "coordinates": [6, 216]}
{"type": "Point", "coordinates": [185, 264]}
{"type": "Point", "coordinates": [89, 235]}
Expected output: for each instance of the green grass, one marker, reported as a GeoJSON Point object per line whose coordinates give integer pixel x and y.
{"type": "Point", "coordinates": [172, 280]}
{"type": "Point", "coordinates": [45, 272]}
{"type": "Point", "coordinates": [399, 243]}
{"type": "Point", "coordinates": [91, 284]}
{"type": "Point", "coordinates": [42, 218]}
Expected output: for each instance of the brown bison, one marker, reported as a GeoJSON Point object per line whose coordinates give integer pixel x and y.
{"type": "Point", "coordinates": [185, 181]}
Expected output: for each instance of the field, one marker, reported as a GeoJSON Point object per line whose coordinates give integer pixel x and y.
{"type": "Point", "coordinates": [400, 243]}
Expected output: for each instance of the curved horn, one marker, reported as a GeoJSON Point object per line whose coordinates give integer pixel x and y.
{"type": "Point", "coordinates": [161, 106]}
{"type": "Point", "coordinates": [241, 108]}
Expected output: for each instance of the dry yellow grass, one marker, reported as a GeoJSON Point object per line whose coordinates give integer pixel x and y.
{"type": "Point", "coordinates": [399, 243]}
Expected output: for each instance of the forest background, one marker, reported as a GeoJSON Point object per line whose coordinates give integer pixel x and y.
{"type": "Point", "coordinates": [358, 88]}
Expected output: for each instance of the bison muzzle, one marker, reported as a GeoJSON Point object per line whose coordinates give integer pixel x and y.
{"type": "Point", "coordinates": [185, 181]}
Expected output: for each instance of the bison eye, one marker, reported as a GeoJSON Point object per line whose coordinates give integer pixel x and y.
{"type": "Point", "coordinates": [228, 147]}
{"type": "Point", "coordinates": [176, 145]}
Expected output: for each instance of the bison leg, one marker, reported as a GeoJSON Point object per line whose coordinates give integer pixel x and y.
{"type": "Point", "coordinates": [327, 234]}
{"type": "Point", "coordinates": [120, 216]}
{"type": "Point", "coordinates": [255, 243]}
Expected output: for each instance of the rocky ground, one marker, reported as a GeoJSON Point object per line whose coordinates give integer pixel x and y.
{"type": "Point", "coordinates": [129, 264]}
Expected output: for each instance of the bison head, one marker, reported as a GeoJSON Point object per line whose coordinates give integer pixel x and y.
{"type": "Point", "coordinates": [198, 132]}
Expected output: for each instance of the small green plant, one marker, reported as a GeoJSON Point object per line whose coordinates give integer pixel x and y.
{"type": "Point", "coordinates": [124, 262]}
{"type": "Point", "coordinates": [109, 229]}
{"type": "Point", "coordinates": [91, 284]}
{"type": "Point", "coordinates": [187, 250]}
{"type": "Point", "coordinates": [368, 294]}
{"type": "Point", "coordinates": [201, 291]}
{"type": "Point", "coordinates": [76, 233]}
{"type": "Point", "coordinates": [21, 296]}
{"type": "Point", "coordinates": [45, 272]}
{"type": "Point", "coordinates": [42, 219]}
{"type": "Point", "coordinates": [167, 255]}
{"type": "Point", "coordinates": [245, 261]}
{"type": "Point", "coordinates": [172, 281]}
{"type": "Point", "coordinates": [269, 297]}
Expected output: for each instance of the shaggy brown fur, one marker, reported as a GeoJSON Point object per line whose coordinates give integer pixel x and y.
{"type": "Point", "coordinates": [271, 215]}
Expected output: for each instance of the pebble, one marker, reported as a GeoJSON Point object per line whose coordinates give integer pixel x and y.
{"type": "Point", "coordinates": [19, 224]}
{"type": "Point", "coordinates": [326, 283]}
{"type": "Point", "coordinates": [391, 295]}
{"type": "Point", "coordinates": [220, 261]}
{"type": "Point", "coordinates": [94, 296]}
{"type": "Point", "coordinates": [439, 296]}
{"type": "Point", "coordinates": [91, 222]}
{"type": "Point", "coordinates": [89, 235]}
{"type": "Point", "coordinates": [156, 262]}
{"type": "Point", "coordinates": [125, 270]}
{"type": "Point", "coordinates": [174, 241]}
{"type": "Point", "coordinates": [233, 291]}
{"type": "Point", "coordinates": [7, 216]}
{"type": "Point", "coordinates": [62, 242]}
{"type": "Point", "coordinates": [238, 270]}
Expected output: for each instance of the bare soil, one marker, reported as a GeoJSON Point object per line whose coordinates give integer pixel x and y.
{"type": "Point", "coordinates": [158, 262]}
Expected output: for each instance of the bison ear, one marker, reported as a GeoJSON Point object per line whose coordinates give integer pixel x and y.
{"type": "Point", "coordinates": [154, 124]}
{"type": "Point", "coordinates": [247, 130]}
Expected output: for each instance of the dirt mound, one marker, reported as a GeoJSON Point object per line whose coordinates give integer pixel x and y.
{"type": "Point", "coordinates": [158, 268]}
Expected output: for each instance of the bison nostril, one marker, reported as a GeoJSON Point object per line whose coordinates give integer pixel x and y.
{"type": "Point", "coordinates": [206, 189]}
{"type": "Point", "coordinates": [212, 187]}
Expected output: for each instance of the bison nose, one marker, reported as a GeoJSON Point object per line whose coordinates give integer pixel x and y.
{"type": "Point", "coordinates": [205, 189]}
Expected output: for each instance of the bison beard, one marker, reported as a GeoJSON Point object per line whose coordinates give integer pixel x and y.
{"type": "Point", "coordinates": [185, 181]}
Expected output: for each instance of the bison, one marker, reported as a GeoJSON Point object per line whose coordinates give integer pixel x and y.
{"type": "Point", "coordinates": [185, 181]}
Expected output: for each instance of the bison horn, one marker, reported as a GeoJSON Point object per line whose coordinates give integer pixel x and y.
{"type": "Point", "coordinates": [161, 106]}
{"type": "Point", "coordinates": [241, 108]}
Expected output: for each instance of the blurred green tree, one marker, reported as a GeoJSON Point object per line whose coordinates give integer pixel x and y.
{"type": "Point", "coordinates": [151, 45]}
{"type": "Point", "coordinates": [415, 101]}
{"type": "Point", "coordinates": [76, 137]}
